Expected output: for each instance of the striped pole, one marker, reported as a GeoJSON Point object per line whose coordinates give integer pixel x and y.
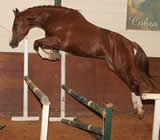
{"type": "Point", "coordinates": [39, 94]}
{"type": "Point", "coordinates": [92, 105]}
{"type": "Point", "coordinates": [104, 112]}
{"type": "Point", "coordinates": [87, 127]}
{"type": "Point", "coordinates": [57, 3]}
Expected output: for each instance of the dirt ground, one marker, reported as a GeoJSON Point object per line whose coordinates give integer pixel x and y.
{"type": "Point", "coordinates": [124, 127]}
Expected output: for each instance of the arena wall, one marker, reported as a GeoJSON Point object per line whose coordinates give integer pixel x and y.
{"type": "Point", "coordinates": [89, 77]}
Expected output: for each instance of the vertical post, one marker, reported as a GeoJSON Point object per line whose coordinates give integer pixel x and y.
{"type": "Point", "coordinates": [62, 96]}
{"type": "Point", "coordinates": [63, 76]}
{"type": "Point", "coordinates": [25, 90]}
{"type": "Point", "coordinates": [156, 120]}
{"type": "Point", "coordinates": [57, 3]}
{"type": "Point", "coordinates": [63, 62]}
{"type": "Point", "coordinates": [108, 122]}
{"type": "Point", "coordinates": [25, 116]}
{"type": "Point", "coordinates": [44, 122]}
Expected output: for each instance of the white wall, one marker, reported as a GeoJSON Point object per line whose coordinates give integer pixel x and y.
{"type": "Point", "coordinates": [110, 14]}
{"type": "Point", "coordinates": [7, 17]}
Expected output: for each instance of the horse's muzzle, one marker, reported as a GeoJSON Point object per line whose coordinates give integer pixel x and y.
{"type": "Point", "coordinates": [13, 44]}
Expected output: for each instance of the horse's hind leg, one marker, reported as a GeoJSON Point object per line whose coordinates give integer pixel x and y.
{"type": "Point", "coordinates": [140, 110]}
{"type": "Point", "coordinates": [137, 105]}
{"type": "Point", "coordinates": [136, 99]}
{"type": "Point", "coordinates": [129, 80]}
{"type": "Point", "coordinates": [134, 88]}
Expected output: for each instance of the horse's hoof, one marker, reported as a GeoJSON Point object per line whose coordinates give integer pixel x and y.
{"type": "Point", "coordinates": [1, 127]}
{"type": "Point", "coordinates": [48, 54]}
{"type": "Point", "coordinates": [141, 115]}
{"type": "Point", "coordinates": [135, 111]}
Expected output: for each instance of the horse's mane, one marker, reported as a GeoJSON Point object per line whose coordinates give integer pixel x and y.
{"type": "Point", "coordinates": [49, 7]}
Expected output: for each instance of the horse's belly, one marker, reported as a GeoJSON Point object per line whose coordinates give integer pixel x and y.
{"type": "Point", "coordinates": [85, 51]}
{"type": "Point", "coordinates": [88, 44]}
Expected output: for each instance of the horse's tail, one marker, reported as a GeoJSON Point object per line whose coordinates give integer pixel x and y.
{"type": "Point", "coordinates": [141, 59]}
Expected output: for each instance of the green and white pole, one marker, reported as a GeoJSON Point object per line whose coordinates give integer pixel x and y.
{"type": "Point", "coordinates": [57, 3]}
{"type": "Point", "coordinates": [108, 122]}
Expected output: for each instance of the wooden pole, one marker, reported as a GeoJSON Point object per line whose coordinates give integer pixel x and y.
{"type": "Point", "coordinates": [2, 126]}
{"type": "Point", "coordinates": [84, 126]}
{"type": "Point", "coordinates": [39, 94]}
{"type": "Point", "coordinates": [45, 107]}
{"type": "Point", "coordinates": [92, 105]}
{"type": "Point", "coordinates": [106, 113]}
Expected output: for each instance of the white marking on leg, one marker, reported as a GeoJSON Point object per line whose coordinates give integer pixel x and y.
{"type": "Point", "coordinates": [46, 54]}
{"type": "Point", "coordinates": [139, 105]}
{"type": "Point", "coordinates": [41, 53]}
{"type": "Point", "coordinates": [134, 101]}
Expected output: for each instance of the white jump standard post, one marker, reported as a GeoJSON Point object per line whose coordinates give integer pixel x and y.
{"type": "Point", "coordinates": [156, 119]}
{"type": "Point", "coordinates": [25, 116]}
{"type": "Point", "coordinates": [63, 82]}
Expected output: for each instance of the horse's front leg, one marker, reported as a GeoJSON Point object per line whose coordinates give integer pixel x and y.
{"type": "Point", "coordinates": [49, 43]}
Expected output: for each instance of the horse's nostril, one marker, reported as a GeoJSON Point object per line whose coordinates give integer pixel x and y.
{"type": "Point", "coordinates": [13, 44]}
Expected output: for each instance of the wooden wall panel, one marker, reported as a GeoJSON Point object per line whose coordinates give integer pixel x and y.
{"type": "Point", "coordinates": [155, 66]}
{"type": "Point", "coordinates": [80, 77]}
{"type": "Point", "coordinates": [11, 83]}
{"type": "Point", "coordinates": [110, 89]}
{"type": "Point", "coordinates": [90, 77]}
{"type": "Point", "coordinates": [46, 75]}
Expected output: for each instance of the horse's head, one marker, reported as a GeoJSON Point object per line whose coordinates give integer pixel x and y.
{"type": "Point", "coordinates": [19, 30]}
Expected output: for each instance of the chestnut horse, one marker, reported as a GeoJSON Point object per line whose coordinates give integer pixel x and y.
{"type": "Point", "coordinates": [67, 30]}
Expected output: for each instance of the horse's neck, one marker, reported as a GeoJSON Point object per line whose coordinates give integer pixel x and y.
{"type": "Point", "coordinates": [42, 18]}
{"type": "Point", "coordinates": [38, 20]}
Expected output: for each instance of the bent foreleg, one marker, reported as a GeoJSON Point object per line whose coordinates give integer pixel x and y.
{"type": "Point", "coordinates": [50, 43]}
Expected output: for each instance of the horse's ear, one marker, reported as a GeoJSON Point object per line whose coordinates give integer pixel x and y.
{"type": "Point", "coordinates": [16, 12]}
